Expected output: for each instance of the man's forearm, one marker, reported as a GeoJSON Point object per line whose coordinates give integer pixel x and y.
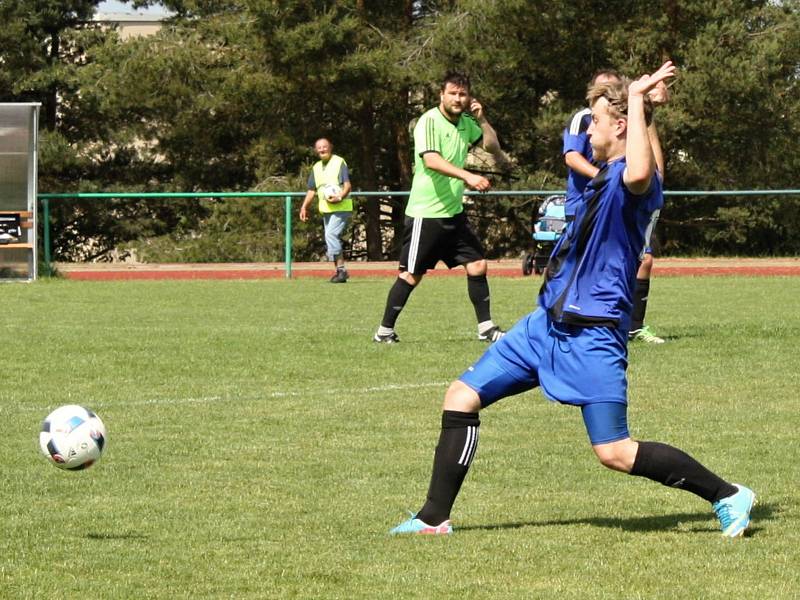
{"type": "Point", "coordinates": [307, 200]}
{"type": "Point", "coordinates": [639, 153]}
{"type": "Point", "coordinates": [578, 163]}
{"type": "Point", "coordinates": [490, 142]}
{"type": "Point", "coordinates": [434, 161]}
{"type": "Point", "coordinates": [655, 144]}
{"type": "Point", "coordinates": [639, 158]}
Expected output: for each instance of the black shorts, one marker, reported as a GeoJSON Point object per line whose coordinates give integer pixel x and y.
{"type": "Point", "coordinates": [427, 241]}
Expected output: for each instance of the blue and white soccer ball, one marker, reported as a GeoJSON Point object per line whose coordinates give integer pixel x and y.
{"type": "Point", "coordinates": [72, 437]}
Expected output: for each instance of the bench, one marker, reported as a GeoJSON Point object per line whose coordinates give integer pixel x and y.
{"type": "Point", "coordinates": [12, 224]}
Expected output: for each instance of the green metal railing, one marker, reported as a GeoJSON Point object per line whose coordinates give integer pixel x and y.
{"type": "Point", "coordinates": [287, 196]}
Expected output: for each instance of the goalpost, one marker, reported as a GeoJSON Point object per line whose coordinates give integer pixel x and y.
{"type": "Point", "coordinates": [19, 125]}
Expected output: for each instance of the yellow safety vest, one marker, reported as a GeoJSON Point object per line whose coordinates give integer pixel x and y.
{"type": "Point", "coordinates": [328, 174]}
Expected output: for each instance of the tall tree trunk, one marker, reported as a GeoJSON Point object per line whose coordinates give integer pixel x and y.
{"type": "Point", "coordinates": [404, 148]}
{"type": "Point", "coordinates": [404, 151]}
{"type": "Point", "coordinates": [50, 101]}
{"type": "Point", "coordinates": [369, 181]}
{"type": "Point", "coordinates": [404, 145]}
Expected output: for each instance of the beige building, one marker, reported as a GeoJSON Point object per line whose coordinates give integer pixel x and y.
{"type": "Point", "coordinates": [131, 25]}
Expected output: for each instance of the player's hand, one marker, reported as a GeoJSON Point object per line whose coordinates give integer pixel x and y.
{"type": "Point", "coordinates": [334, 199]}
{"type": "Point", "coordinates": [476, 109]}
{"type": "Point", "coordinates": [645, 83]}
{"type": "Point", "coordinates": [659, 95]}
{"type": "Point", "coordinates": [303, 214]}
{"type": "Point", "coordinates": [477, 182]}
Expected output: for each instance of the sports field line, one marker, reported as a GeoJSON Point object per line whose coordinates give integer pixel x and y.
{"type": "Point", "coordinates": [5, 408]}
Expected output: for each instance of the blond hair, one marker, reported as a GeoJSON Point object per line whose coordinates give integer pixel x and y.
{"type": "Point", "coordinates": [616, 94]}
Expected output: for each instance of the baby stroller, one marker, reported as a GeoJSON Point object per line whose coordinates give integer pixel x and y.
{"type": "Point", "coordinates": [548, 225]}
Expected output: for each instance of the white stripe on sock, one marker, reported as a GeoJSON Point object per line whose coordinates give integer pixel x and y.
{"type": "Point", "coordinates": [474, 446]}
{"type": "Point", "coordinates": [469, 446]}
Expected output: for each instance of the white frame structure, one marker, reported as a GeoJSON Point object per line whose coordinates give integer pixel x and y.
{"type": "Point", "coordinates": [19, 135]}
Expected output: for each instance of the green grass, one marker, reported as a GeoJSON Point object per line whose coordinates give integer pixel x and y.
{"type": "Point", "coordinates": [260, 446]}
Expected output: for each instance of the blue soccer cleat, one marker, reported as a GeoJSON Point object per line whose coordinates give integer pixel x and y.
{"type": "Point", "coordinates": [415, 526]}
{"type": "Point", "coordinates": [733, 512]}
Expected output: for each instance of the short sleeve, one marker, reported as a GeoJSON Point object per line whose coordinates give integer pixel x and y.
{"type": "Point", "coordinates": [575, 137]}
{"type": "Point", "coordinates": [425, 137]}
{"type": "Point", "coordinates": [475, 131]}
{"type": "Point", "coordinates": [344, 173]}
{"type": "Point", "coordinates": [312, 184]}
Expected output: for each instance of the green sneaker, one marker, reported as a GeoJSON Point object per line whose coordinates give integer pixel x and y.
{"type": "Point", "coordinates": [645, 335]}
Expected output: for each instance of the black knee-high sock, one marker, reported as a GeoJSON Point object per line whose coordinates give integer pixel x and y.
{"type": "Point", "coordinates": [478, 290]}
{"type": "Point", "coordinates": [674, 468]}
{"type": "Point", "coordinates": [457, 444]}
{"type": "Point", "coordinates": [640, 303]}
{"type": "Point", "coordinates": [398, 296]}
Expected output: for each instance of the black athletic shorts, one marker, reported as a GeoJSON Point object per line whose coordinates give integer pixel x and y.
{"type": "Point", "coordinates": [427, 241]}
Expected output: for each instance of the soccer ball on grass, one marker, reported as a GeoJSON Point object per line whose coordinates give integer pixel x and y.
{"type": "Point", "coordinates": [72, 437]}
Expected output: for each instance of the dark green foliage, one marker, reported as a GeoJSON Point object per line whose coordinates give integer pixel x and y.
{"type": "Point", "coordinates": [231, 94]}
{"type": "Point", "coordinates": [36, 41]}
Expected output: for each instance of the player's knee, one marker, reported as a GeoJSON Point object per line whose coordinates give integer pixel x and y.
{"type": "Point", "coordinates": [461, 397]}
{"type": "Point", "coordinates": [608, 458]}
{"type": "Point", "coordinates": [410, 278]}
{"type": "Point", "coordinates": [645, 267]}
{"type": "Point", "coordinates": [617, 456]}
{"type": "Point", "coordinates": [477, 268]}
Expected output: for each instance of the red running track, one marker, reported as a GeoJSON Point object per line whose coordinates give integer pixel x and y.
{"type": "Point", "coordinates": [668, 267]}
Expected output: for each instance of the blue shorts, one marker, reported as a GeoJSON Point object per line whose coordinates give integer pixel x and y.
{"type": "Point", "coordinates": [581, 366]}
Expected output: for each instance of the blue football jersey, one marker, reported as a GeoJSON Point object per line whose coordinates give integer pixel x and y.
{"type": "Point", "coordinates": [591, 275]}
{"type": "Point", "coordinates": [576, 140]}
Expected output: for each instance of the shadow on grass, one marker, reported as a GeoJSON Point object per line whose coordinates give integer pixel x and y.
{"type": "Point", "coordinates": [116, 536]}
{"type": "Point", "coordinates": [675, 337]}
{"type": "Point", "coordinates": [760, 513]}
{"type": "Point", "coordinates": [457, 340]}
{"type": "Point", "coordinates": [141, 536]}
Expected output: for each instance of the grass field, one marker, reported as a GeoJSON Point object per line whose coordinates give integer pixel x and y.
{"type": "Point", "coordinates": [260, 446]}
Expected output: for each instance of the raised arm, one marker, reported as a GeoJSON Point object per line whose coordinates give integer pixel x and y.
{"type": "Point", "coordinates": [489, 142]}
{"type": "Point", "coordinates": [659, 95]}
{"type": "Point", "coordinates": [655, 144]}
{"type": "Point", "coordinates": [639, 153]}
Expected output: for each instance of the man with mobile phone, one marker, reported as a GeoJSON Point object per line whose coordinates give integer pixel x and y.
{"type": "Point", "coordinates": [436, 227]}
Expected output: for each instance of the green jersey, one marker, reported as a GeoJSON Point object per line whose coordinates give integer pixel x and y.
{"type": "Point", "coordinates": [434, 195]}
